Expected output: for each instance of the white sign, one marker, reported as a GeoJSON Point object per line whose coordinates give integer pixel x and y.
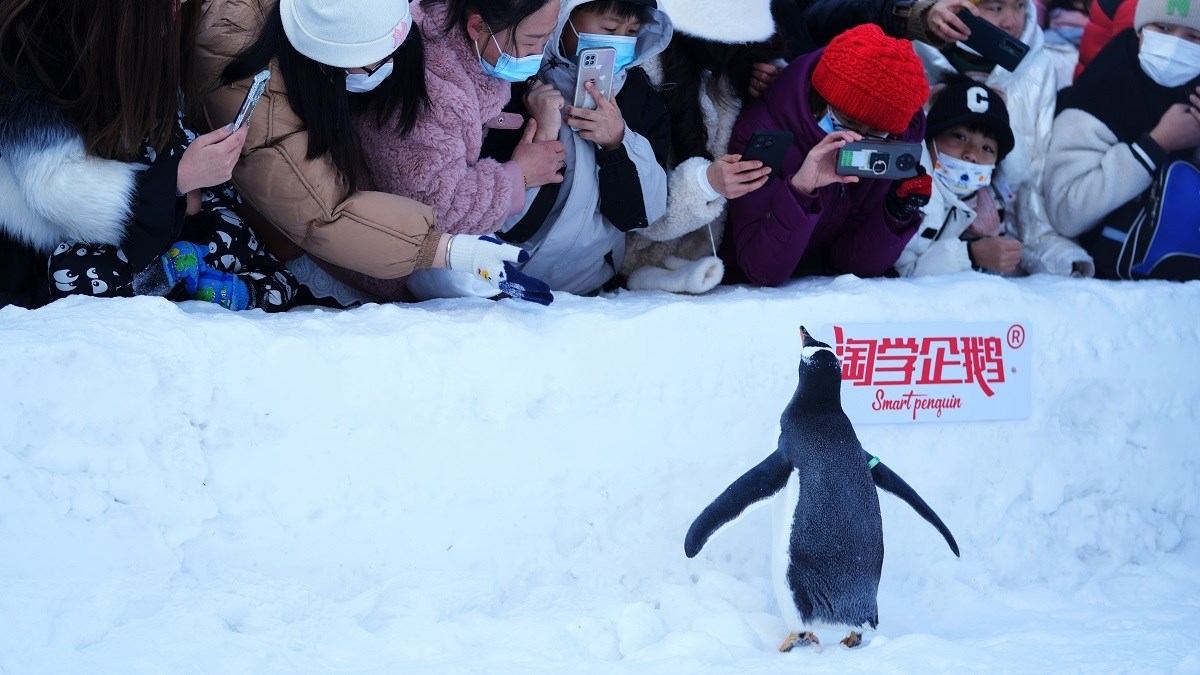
{"type": "Point", "coordinates": [933, 372]}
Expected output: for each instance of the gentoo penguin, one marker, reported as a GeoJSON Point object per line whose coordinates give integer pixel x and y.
{"type": "Point", "coordinates": [828, 548]}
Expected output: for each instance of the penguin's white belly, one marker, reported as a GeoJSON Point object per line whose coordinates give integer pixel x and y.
{"type": "Point", "coordinates": [783, 518]}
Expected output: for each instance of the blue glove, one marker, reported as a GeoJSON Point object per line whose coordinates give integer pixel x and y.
{"type": "Point", "coordinates": [184, 262]}
{"type": "Point", "coordinates": [493, 261]}
{"type": "Point", "coordinates": [222, 288]}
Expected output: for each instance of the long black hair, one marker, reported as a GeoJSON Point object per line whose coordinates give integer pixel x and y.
{"type": "Point", "coordinates": [114, 68]}
{"type": "Point", "coordinates": [317, 93]}
{"type": "Point", "coordinates": [684, 62]}
{"type": "Point", "coordinates": [499, 15]}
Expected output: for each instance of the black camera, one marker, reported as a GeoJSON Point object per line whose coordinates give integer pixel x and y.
{"type": "Point", "coordinates": [878, 159]}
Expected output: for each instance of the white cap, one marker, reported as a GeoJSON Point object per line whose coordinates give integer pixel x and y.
{"type": "Point", "coordinates": [729, 21]}
{"type": "Point", "coordinates": [346, 33]}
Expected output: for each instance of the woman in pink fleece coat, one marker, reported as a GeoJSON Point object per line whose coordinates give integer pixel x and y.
{"type": "Point", "coordinates": [471, 46]}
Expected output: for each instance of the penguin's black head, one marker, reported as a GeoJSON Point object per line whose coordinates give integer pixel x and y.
{"type": "Point", "coordinates": [820, 370]}
{"type": "Point", "coordinates": [810, 341]}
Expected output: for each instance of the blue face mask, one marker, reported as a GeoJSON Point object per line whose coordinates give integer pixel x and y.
{"type": "Point", "coordinates": [509, 67]}
{"type": "Point", "coordinates": [626, 45]}
{"type": "Point", "coordinates": [827, 124]}
{"type": "Point", "coordinates": [830, 124]}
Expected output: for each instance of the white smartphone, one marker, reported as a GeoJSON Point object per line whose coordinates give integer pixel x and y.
{"type": "Point", "coordinates": [257, 87]}
{"type": "Point", "coordinates": [595, 66]}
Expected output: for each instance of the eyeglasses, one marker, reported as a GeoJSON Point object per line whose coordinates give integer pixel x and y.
{"type": "Point", "coordinates": [841, 123]}
{"type": "Point", "coordinates": [371, 71]}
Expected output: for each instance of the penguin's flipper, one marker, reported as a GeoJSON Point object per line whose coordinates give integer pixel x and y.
{"type": "Point", "coordinates": [764, 480]}
{"type": "Point", "coordinates": [887, 480]}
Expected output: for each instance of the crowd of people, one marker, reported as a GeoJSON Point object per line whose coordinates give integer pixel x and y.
{"type": "Point", "coordinates": [441, 148]}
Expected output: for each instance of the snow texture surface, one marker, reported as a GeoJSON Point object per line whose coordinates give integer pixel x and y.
{"type": "Point", "coordinates": [494, 487]}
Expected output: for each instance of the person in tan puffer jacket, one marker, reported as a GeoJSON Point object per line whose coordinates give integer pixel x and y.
{"type": "Point", "coordinates": [306, 190]}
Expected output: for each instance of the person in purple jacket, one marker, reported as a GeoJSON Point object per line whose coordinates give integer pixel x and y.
{"type": "Point", "coordinates": [810, 221]}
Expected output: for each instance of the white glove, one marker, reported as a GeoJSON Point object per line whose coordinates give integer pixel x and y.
{"type": "Point", "coordinates": [495, 262]}
{"type": "Point", "coordinates": [678, 275]}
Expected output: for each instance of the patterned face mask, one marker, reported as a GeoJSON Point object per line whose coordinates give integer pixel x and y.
{"type": "Point", "coordinates": [960, 176]}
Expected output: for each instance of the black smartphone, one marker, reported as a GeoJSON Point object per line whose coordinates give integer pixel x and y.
{"type": "Point", "coordinates": [992, 42]}
{"type": "Point", "coordinates": [878, 159]}
{"type": "Point", "coordinates": [768, 147]}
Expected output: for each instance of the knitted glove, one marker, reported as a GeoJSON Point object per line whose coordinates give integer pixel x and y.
{"type": "Point", "coordinates": [909, 194]}
{"type": "Point", "coordinates": [183, 262]}
{"type": "Point", "coordinates": [223, 288]}
{"type": "Point", "coordinates": [492, 260]}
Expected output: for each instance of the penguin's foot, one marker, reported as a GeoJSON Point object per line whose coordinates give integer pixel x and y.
{"type": "Point", "coordinates": [852, 640]}
{"type": "Point", "coordinates": [799, 640]}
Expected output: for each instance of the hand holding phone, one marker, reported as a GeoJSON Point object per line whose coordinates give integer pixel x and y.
{"type": "Point", "coordinates": [255, 92]}
{"type": "Point", "coordinates": [596, 65]}
{"type": "Point", "coordinates": [769, 147]}
{"type": "Point", "coordinates": [731, 176]}
{"type": "Point", "coordinates": [878, 159]}
{"type": "Point", "coordinates": [992, 42]}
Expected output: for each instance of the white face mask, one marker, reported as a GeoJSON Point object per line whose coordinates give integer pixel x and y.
{"type": "Point", "coordinates": [960, 176]}
{"type": "Point", "coordinates": [361, 83]}
{"type": "Point", "coordinates": [1168, 60]}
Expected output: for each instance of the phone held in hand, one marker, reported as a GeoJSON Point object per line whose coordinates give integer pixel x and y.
{"type": "Point", "coordinates": [992, 43]}
{"type": "Point", "coordinates": [595, 66]}
{"type": "Point", "coordinates": [255, 92]}
{"type": "Point", "coordinates": [769, 147]}
{"type": "Point", "coordinates": [878, 159]}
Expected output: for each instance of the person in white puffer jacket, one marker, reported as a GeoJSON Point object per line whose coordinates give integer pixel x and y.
{"type": "Point", "coordinates": [969, 222]}
{"type": "Point", "coordinates": [1030, 93]}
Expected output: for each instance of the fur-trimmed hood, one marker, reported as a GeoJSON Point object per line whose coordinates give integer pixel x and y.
{"type": "Point", "coordinates": [731, 21]}
{"type": "Point", "coordinates": [560, 69]}
{"type": "Point", "coordinates": [50, 188]}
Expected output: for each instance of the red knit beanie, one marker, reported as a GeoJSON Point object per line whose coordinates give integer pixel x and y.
{"type": "Point", "coordinates": [875, 79]}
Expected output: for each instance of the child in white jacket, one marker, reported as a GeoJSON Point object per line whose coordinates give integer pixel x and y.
{"type": "Point", "coordinates": [1030, 93]}
{"type": "Point", "coordinates": [970, 222]}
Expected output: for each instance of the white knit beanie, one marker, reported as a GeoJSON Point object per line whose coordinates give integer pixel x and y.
{"type": "Point", "coordinates": [729, 21]}
{"type": "Point", "coordinates": [345, 33]}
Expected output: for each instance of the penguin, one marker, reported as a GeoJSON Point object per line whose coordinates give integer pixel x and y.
{"type": "Point", "coordinates": [827, 552]}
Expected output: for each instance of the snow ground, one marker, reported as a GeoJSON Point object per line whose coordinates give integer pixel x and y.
{"type": "Point", "coordinates": [479, 487]}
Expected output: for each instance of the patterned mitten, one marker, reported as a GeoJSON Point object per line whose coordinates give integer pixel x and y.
{"type": "Point", "coordinates": [184, 261]}
{"type": "Point", "coordinates": [492, 260]}
{"type": "Point", "coordinates": [223, 288]}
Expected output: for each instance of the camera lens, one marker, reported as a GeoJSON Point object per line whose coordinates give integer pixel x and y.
{"type": "Point", "coordinates": [905, 162]}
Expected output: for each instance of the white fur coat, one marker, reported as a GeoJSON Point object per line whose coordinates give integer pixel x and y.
{"type": "Point", "coordinates": [677, 252]}
{"type": "Point", "coordinates": [51, 190]}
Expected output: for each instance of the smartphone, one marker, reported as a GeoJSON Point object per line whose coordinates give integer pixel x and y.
{"type": "Point", "coordinates": [596, 66]}
{"type": "Point", "coordinates": [255, 92]}
{"type": "Point", "coordinates": [878, 159]}
{"type": "Point", "coordinates": [768, 147]}
{"type": "Point", "coordinates": [992, 42]}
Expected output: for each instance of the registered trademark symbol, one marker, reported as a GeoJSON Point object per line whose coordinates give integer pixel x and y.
{"type": "Point", "coordinates": [1016, 336]}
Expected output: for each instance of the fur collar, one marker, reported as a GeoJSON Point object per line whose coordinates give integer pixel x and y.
{"type": "Point", "coordinates": [52, 190]}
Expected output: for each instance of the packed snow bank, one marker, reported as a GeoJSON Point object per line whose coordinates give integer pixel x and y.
{"type": "Point", "coordinates": [499, 487]}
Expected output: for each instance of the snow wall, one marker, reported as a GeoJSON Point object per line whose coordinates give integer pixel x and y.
{"type": "Point", "coordinates": [481, 487]}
